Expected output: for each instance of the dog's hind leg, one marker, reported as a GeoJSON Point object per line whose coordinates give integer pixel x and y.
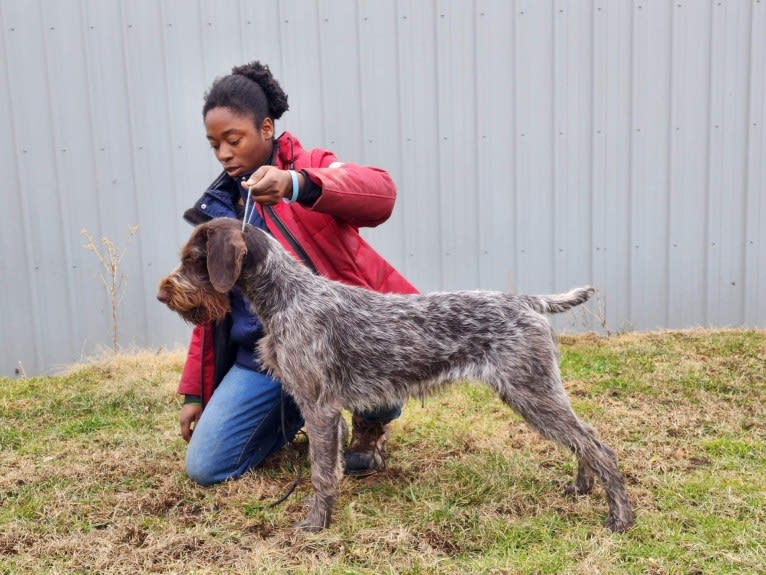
{"type": "Point", "coordinates": [323, 429]}
{"type": "Point", "coordinates": [546, 409]}
{"type": "Point", "coordinates": [583, 483]}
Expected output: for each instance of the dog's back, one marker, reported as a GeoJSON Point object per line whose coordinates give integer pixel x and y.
{"type": "Point", "coordinates": [407, 345]}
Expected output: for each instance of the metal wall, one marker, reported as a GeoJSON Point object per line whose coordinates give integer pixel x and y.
{"type": "Point", "coordinates": [536, 145]}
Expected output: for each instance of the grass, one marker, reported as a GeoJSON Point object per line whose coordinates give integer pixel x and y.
{"type": "Point", "coordinates": [92, 481]}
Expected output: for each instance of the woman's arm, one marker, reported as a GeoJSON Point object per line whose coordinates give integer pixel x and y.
{"type": "Point", "coordinates": [197, 374]}
{"type": "Point", "coordinates": [359, 195]}
{"type": "Point", "coordinates": [362, 196]}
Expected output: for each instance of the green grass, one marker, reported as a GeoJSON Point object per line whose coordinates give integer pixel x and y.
{"type": "Point", "coordinates": [92, 481]}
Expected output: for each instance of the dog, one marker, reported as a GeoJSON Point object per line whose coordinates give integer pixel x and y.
{"type": "Point", "coordinates": [335, 346]}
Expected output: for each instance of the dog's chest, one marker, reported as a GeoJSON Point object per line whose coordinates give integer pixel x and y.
{"type": "Point", "coordinates": [268, 355]}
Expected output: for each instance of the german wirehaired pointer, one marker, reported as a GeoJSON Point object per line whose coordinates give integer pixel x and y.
{"type": "Point", "coordinates": [334, 346]}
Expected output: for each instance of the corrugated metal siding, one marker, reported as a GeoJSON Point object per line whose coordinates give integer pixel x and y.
{"type": "Point", "coordinates": [536, 145]}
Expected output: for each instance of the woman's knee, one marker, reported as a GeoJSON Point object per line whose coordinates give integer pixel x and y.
{"type": "Point", "coordinates": [200, 470]}
{"type": "Point", "coordinates": [204, 468]}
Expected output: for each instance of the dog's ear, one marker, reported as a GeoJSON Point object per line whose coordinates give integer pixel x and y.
{"type": "Point", "coordinates": [225, 251]}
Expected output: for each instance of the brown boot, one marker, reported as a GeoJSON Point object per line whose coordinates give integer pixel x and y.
{"type": "Point", "coordinates": [367, 453]}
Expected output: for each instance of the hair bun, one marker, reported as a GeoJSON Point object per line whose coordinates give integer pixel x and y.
{"type": "Point", "coordinates": [261, 75]}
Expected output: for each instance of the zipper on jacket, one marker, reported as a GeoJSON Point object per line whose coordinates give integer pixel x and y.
{"type": "Point", "coordinates": [290, 239]}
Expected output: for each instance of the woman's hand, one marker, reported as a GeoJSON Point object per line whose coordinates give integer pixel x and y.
{"type": "Point", "coordinates": [268, 185]}
{"type": "Point", "coordinates": [188, 419]}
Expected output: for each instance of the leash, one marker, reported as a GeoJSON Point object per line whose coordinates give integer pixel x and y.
{"type": "Point", "coordinates": [299, 467]}
{"type": "Point", "coordinates": [249, 209]}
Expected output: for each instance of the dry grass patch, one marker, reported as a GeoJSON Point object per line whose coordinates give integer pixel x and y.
{"type": "Point", "coordinates": [91, 475]}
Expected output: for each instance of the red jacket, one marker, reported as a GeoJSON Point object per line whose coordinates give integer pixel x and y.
{"type": "Point", "coordinates": [327, 232]}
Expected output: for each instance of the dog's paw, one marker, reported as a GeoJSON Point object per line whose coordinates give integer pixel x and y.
{"type": "Point", "coordinates": [619, 523]}
{"type": "Point", "coordinates": [317, 519]}
{"type": "Point", "coordinates": [575, 489]}
{"type": "Point", "coordinates": [309, 526]}
{"type": "Point", "coordinates": [572, 491]}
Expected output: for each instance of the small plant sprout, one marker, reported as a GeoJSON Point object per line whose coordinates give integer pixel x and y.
{"type": "Point", "coordinates": [110, 257]}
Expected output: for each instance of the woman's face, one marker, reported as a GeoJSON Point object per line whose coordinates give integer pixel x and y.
{"type": "Point", "coordinates": [237, 143]}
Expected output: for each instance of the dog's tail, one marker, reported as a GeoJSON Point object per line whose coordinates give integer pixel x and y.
{"type": "Point", "coordinates": [560, 302]}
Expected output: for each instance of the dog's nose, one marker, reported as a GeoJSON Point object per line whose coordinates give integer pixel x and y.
{"type": "Point", "coordinates": [163, 295]}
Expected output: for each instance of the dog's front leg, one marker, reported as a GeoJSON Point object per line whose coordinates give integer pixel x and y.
{"type": "Point", "coordinates": [322, 426]}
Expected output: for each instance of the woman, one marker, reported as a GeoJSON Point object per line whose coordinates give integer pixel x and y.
{"type": "Point", "coordinates": [234, 414]}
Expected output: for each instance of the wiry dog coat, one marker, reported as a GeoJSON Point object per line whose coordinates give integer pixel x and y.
{"type": "Point", "coordinates": [334, 346]}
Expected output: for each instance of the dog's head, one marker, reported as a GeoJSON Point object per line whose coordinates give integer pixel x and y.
{"type": "Point", "coordinates": [211, 263]}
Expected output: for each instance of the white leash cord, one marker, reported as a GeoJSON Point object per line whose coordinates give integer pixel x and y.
{"type": "Point", "coordinates": [249, 209]}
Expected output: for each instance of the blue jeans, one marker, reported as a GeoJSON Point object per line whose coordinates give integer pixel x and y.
{"type": "Point", "coordinates": [242, 424]}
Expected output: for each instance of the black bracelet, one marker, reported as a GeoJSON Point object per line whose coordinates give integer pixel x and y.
{"type": "Point", "coordinates": [310, 191]}
{"type": "Point", "coordinates": [196, 399]}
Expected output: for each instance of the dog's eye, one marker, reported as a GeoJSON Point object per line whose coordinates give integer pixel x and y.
{"type": "Point", "coordinates": [194, 262]}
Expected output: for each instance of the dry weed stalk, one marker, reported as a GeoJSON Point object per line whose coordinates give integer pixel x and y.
{"type": "Point", "coordinates": [600, 313]}
{"type": "Point", "coordinates": [110, 256]}
{"type": "Point", "coordinates": [586, 315]}
{"type": "Point", "coordinates": [20, 371]}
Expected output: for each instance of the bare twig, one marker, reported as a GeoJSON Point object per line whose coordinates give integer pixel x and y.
{"type": "Point", "coordinates": [110, 256]}
{"type": "Point", "coordinates": [20, 371]}
{"type": "Point", "coordinates": [585, 315]}
{"type": "Point", "coordinates": [600, 313]}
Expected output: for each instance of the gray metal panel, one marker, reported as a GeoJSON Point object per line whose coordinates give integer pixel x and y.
{"type": "Point", "coordinates": [19, 336]}
{"type": "Point", "coordinates": [456, 104]}
{"type": "Point", "coordinates": [301, 74]}
{"type": "Point", "coordinates": [151, 158]}
{"type": "Point", "coordinates": [380, 115]}
{"type": "Point", "coordinates": [649, 176]}
{"type": "Point", "coordinates": [755, 224]}
{"type": "Point", "coordinates": [419, 183]}
{"type": "Point", "coordinates": [340, 92]}
{"type": "Point", "coordinates": [535, 146]}
{"type": "Point", "coordinates": [689, 173]}
{"type": "Point", "coordinates": [109, 186]}
{"type": "Point", "coordinates": [727, 154]}
{"type": "Point", "coordinates": [71, 175]}
{"type": "Point", "coordinates": [572, 165]}
{"type": "Point", "coordinates": [38, 194]}
{"type": "Point", "coordinates": [496, 153]}
{"type": "Point", "coordinates": [534, 120]}
{"type": "Point", "coordinates": [612, 163]}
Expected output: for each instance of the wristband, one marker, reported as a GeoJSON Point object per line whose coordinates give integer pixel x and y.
{"type": "Point", "coordinates": [296, 185]}
{"type": "Point", "coordinates": [192, 399]}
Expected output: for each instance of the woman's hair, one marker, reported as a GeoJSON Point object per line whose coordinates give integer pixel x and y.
{"type": "Point", "coordinates": [249, 89]}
